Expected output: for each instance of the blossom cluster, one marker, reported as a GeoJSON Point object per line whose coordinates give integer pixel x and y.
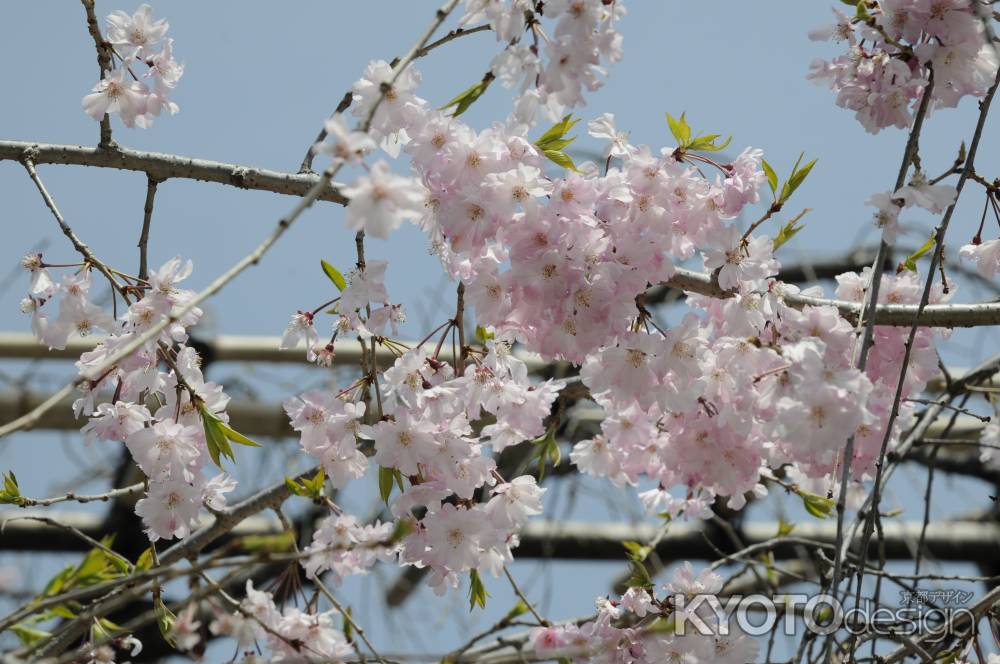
{"type": "Point", "coordinates": [133, 40]}
{"type": "Point", "coordinates": [167, 441]}
{"type": "Point", "coordinates": [934, 198]}
{"type": "Point", "coordinates": [560, 264]}
{"type": "Point", "coordinates": [892, 48]}
{"type": "Point", "coordinates": [636, 628]}
{"type": "Point", "coordinates": [426, 436]}
{"type": "Point", "coordinates": [552, 73]}
{"type": "Point", "coordinates": [290, 633]}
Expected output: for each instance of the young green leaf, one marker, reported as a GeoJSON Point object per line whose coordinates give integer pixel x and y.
{"type": "Point", "coordinates": [519, 610]}
{"type": "Point", "coordinates": [477, 591]}
{"type": "Point", "coordinates": [560, 158]}
{"type": "Point", "coordinates": [789, 230]}
{"type": "Point", "coordinates": [464, 99]}
{"type": "Point", "coordinates": [708, 144]}
{"type": "Point", "coordinates": [29, 635]}
{"type": "Point", "coordinates": [315, 485]}
{"type": "Point", "coordinates": [772, 177]}
{"type": "Point", "coordinates": [334, 274]}
{"type": "Point", "coordinates": [145, 560]}
{"type": "Point", "coordinates": [818, 506]}
{"type": "Point", "coordinates": [215, 438]}
{"type": "Point", "coordinates": [636, 551]}
{"type": "Point", "coordinates": [347, 625]}
{"type": "Point", "coordinates": [547, 450]}
{"type": "Point", "coordinates": [482, 336]}
{"type": "Point", "coordinates": [237, 437]}
{"type": "Point", "coordinates": [385, 482]}
{"type": "Point", "coordinates": [638, 576]}
{"type": "Point", "coordinates": [910, 263]}
{"type": "Point", "coordinates": [165, 620]}
{"type": "Point", "coordinates": [795, 179]}
{"type": "Point", "coordinates": [279, 543]}
{"type": "Point", "coordinates": [386, 478]}
{"type": "Point", "coordinates": [296, 488]}
{"type": "Point", "coordinates": [680, 129]}
{"type": "Point", "coordinates": [555, 133]}
{"type": "Point", "coordinates": [11, 493]}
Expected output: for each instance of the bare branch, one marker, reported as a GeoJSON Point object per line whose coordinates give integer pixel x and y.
{"type": "Point", "coordinates": [162, 167]}
{"type": "Point", "coordinates": [147, 218]}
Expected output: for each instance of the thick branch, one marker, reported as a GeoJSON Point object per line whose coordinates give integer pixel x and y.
{"type": "Point", "coordinates": [935, 315]}
{"type": "Point", "coordinates": [162, 167]}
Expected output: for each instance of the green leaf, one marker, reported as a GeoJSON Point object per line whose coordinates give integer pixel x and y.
{"type": "Point", "coordinates": [555, 133]}
{"type": "Point", "coordinates": [911, 261]}
{"type": "Point", "coordinates": [237, 437]}
{"type": "Point", "coordinates": [785, 528]}
{"type": "Point", "coordinates": [638, 576]}
{"type": "Point", "coordinates": [29, 635]}
{"type": "Point", "coordinates": [547, 450]}
{"type": "Point", "coordinates": [316, 483]}
{"type": "Point", "coordinates": [296, 488]}
{"type": "Point", "coordinates": [279, 543]}
{"type": "Point", "coordinates": [519, 610]}
{"type": "Point", "coordinates": [789, 230]}
{"type": "Point", "coordinates": [552, 142]}
{"type": "Point", "coordinates": [386, 478]}
{"type": "Point", "coordinates": [215, 438]}
{"type": "Point", "coordinates": [637, 551]}
{"type": "Point", "coordinates": [62, 611]}
{"type": "Point", "coordinates": [795, 179]}
{"type": "Point", "coordinates": [477, 591]}
{"type": "Point", "coordinates": [11, 494]}
{"type": "Point", "coordinates": [772, 177]}
{"type": "Point", "coordinates": [818, 506]}
{"type": "Point", "coordinates": [59, 581]}
{"type": "Point", "coordinates": [482, 335]}
{"type": "Point", "coordinates": [335, 276]}
{"type": "Point", "coordinates": [560, 158]}
{"type": "Point", "coordinates": [165, 620]}
{"type": "Point", "coordinates": [308, 488]}
{"type": "Point", "coordinates": [347, 626]}
{"type": "Point", "coordinates": [680, 129]}
{"type": "Point", "coordinates": [145, 560]}
{"type": "Point", "coordinates": [464, 99]}
{"type": "Point", "coordinates": [708, 144]}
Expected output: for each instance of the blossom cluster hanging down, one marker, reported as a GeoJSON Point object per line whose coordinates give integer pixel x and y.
{"type": "Point", "coordinates": [892, 48]}
{"type": "Point", "coordinates": [559, 264]}
{"type": "Point", "coordinates": [168, 443]}
{"type": "Point", "coordinates": [136, 40]}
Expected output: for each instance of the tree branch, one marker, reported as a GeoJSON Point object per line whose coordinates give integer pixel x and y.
{"type": "Point", "coordinates": [162, 167]}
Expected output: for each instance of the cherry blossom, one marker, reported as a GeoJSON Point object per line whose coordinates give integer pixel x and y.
{"type": "Point", "coordinates": [985, 256]}
{"type": "Point", "coordinates": [380, 201]}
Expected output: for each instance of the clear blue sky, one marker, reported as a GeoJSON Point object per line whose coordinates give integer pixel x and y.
{"type": "Point", "coordinates": [260, 79]}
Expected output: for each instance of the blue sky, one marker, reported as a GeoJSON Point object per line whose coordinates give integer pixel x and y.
{"type": "Point", "coordinates": [261, 78]}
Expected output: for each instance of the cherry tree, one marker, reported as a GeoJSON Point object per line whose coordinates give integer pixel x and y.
{"type": "Point", "coordinates": [561, 267]}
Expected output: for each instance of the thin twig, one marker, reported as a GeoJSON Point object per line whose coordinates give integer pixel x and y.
{"type": "Point", "coordinates": [521, 596]}
{"type": "Point", "coordinates": [81, 498]}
